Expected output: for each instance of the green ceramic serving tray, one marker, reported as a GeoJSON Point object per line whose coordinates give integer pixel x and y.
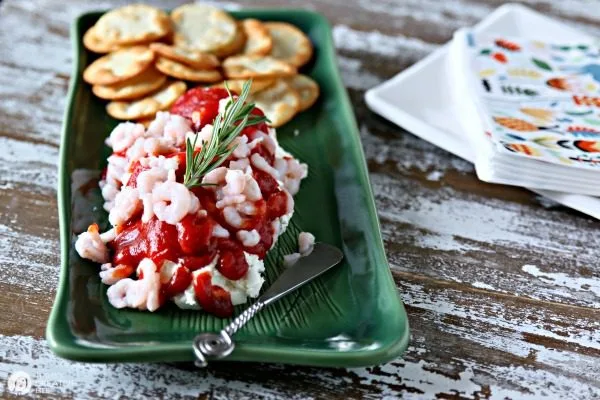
{"type": "Point", "coordinates": [352, 316]}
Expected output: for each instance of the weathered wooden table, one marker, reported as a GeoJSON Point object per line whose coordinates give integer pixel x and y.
{"type": "Point", "coordinates": [502, 287]}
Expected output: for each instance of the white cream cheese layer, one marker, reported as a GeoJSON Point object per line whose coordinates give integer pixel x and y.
{"type": "Point", "coordinates": [239, 290]}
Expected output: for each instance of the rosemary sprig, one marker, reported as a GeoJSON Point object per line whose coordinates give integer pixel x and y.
{"type": "Point", "coordinates": [226, 127]}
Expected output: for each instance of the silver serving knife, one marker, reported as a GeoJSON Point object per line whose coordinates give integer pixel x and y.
{"type": "Point", "coordinates": [219, 345]}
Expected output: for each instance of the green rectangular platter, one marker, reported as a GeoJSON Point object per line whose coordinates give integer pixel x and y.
{"type": "Point", "coordinates": [351, 316]}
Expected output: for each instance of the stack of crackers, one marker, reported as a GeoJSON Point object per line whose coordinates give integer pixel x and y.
{"type": "Point", "coordinates": [152, 58]}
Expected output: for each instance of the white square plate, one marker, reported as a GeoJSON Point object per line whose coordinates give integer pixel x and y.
{"type": "Point", "coordinates": [419, 99]}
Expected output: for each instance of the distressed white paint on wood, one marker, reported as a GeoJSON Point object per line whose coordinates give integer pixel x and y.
{"type": "Point", "coordinates": [501, 325]}
{"type": "Point", "coordinates": [471, 246]}
{"type": "Point", "coordinates": [570, 8]}
{"type": "Point", "coordinates": [445, 13]}
{"type": "Point", "coordinates": [469, 384]}
{"type": "Point", "coordinates": [354, 76]}
{"type": "Point", "coordinates": [410, 153]}
{"type": "Point", "coordinates": [28, 164]}
{"type": "Point", "coordinates": [380, 44]}
{"type": "Point", "coordinates": [28, 261]}
{"type": "Point", "coordinates": [473, 228]}
{"type": "Point", "coordinates": [565, 280]}
{"type": "Point", "coordinates": [65, 378]}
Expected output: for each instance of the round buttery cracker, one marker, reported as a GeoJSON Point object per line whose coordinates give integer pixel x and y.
{"type": "Point", "coordinates": [118, 66]}
{"type": "Point", "coordinates": [182, 71]}
{"type": "Point", "coordinates": [94, 43]}
{"type": "Point", "coordinates": [290, 44]}
{"type": "Point", "coordinates": [279, 102]}
{"type": "Point", "coordinates": [192, 58]}
{"type": "Point", "coordinates": [255, 66]}
{"type": "Point", "coordinates": [235, 47]}
{"type": "Point", "coordinates": [307, 89]}
{"type": "Point", "coordinates": [148, 106]}
{"type": "Point", "coordinates": [202, 27]}
{"type": "Point", "coordinates": [236, 85]}
{"type": "Point", "coordinates": [138, 86]}
{"type": "Point", "coordinates": [133, 24]}
{"type": "Point", "coordinates": [259, 39]}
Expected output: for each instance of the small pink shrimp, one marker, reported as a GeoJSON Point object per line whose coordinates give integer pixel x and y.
{"type": "Point", "coordinates": [112, 275]}
{"type": "Point", "coordinates": [306, 242]}
{"type": "Point", "coordinates": [175, 129]}
{"type": "Point", "coordinates": [215, 177]}
{"type": "Point", "coordinates": [172, 201]}
{"type": "Point", "coordinates": [91, 246]}
{"type": "Point", "coordinates": [127, 203]}
{"type": "Point", "coordinates": [142, 294]}
{"type": "Point", "coordinates": [124, 135]}
{"type": "Point", "coordinates": [259, 162]}
{"type": "Point", "coordinates": [248, 238]}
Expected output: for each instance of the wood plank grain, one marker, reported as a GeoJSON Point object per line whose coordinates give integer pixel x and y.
{"type": "Point", "coordinates": [501, 287]}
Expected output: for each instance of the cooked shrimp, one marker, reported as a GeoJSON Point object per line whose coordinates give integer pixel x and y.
{"type": "Point", "coordinates": [230, 201]}
{"type": "Point", "coordinates": [195, 206]}
{"type": "Point", "coordinates": [252, 190]}
{"type": "Point", "coordinates": [236, 182]}
{"type": "Point", "coordinates": [241, 147]}
{"type": "Point", "coordinates": [148, 179]}
{"type": "Point", "coordinates": [306, 243]}
{"type": "Point", "coordinates": [172, 201]}
{"type": "Point", "coordinates": [175, 129]}
{"type": "Point", "coordinates": [248, 238]}
{"type": "Point", "coordinates": [151, 282]}
{"type": "Point", "coordinates": [108, 205]}
{"type": "Point", "coordinates": [148, 205]}
{"type": "Point", "coordinates": [117, 293]}
{"type": "Point", "coordinates": [291, 172]}
{"type": "Point", "coordinates": [116, 168]}
{"type": "Point", "coordinates": [259, 162]}
{"type": "Point", "coordinates": [215, 176]}
{"type": "Point", "coordinates": [202, 137]}
{"type": "Point", "coordinates": [163, 162]}
{"type": "Point", "coordinates": [220, 232]}
{"type": "Point", "coordinates": [108, 236]}
{"type": "Point", "coordinates": [109, 192]}
{"type": "Point", "coordinates": [270, 144]}
{"type": "Point", "coordinates": [296, 169]}
{"type": "Point", "coordinates": [157, 127]}
{"type": "Point", "coordinates": [142, 293]}
{"type": "Point", "coordinates": [239, 188]}
{"type": "Point", "coordinates": [148, 146]}
{"type": "Point", "coordinates": [91, 246]}
{"type": "Point", "coordinates": [112, 275]}
{"type": "Point", "coordinates": [127, 203]}
{"type": "Point", "coordinates": [240, 164]}
{"type": "Point", "coordinates": [124, 135]}
{"type": "Point", "coordinates": [247, 208]}
{"type": "Point", "coordinates": [136, 150]}
{"type": "Point", "coordinates": [156, 146]}
{"type": "Point", "coordinates": [232, 217]}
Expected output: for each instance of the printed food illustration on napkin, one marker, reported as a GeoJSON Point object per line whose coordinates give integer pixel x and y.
{"type": "Point", "coordinates": [539, 100]}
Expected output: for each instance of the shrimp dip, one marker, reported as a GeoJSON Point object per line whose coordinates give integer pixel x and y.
{"type": "Point", "coordinates": [201, 247]}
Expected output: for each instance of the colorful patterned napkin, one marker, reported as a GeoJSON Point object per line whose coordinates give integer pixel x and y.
{"type": "Point", "coordinates": [535, 109]}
